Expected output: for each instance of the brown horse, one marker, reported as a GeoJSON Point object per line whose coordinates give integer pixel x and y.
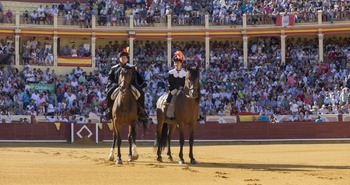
{"type": "Point", "coordinates": [124, 112]}
{"type": "Point", "coordinates": [186, 113]}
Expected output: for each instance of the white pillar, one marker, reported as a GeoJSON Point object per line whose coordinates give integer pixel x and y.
{"type": "Point", "coordinates": [206, 21]}
{"type": "Point", "coordinates": [244, 20]}
{"type": "Point", "coordinates": [207, 52]}
{"type": "Point", "coordinates": [245, 50]}
{"type": "Point", "coordinates": [320, 47]}
{"type": "Point", "coordinates": [131, 22]}
{"type": "Point", "coordinates": [283, 49]}
{"type": "Point", "coordinates": [169, 21]}
{"type": "Point", "coordinates": [17, 20]}
{"type": "Point", "coordinates": [55, 50]}
{"type": "Point", "coordinates": [55, 20]}
{"type": "Point", "coordinates": [16, 50]}
{"type": "Point", "coordinates": [93, 52]}
{"type": "Point", "coordinates": [169, 40]}
{"type": "Point", "coordinates": [319, 17]}
{"type": "Point", "coordinates": [93, 21]}
{"type": "Point", "coordinates": [131, 50]}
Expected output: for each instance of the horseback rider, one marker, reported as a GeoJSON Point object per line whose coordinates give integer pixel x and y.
{"type": "Point", "coordinates": [176, 82]}
{"type": "Point", "coordinates": [138, 83]}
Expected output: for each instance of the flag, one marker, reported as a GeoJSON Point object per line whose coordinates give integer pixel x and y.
{"type": "Point", "coordinates": [286, 20]}
{"type": "Point", "coordinates": [100, 126]}
{"type": "Point", "coordinates": [58, 126]}
{"type": "Point", "coordinates": [110, 126]}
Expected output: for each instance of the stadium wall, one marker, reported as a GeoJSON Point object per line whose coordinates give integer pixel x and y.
{"type": "Point", "coordinates": [67, 132]}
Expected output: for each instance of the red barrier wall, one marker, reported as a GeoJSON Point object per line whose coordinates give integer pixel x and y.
{"type": "Point", "coordinates": [208, 131]}
{"type": "Point", "coordinates": [41, 131]}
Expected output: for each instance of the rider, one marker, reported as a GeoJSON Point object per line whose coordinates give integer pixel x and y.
{"type": "Point", "coordinates": [138, 83]}
{"type": "Point", "coordinates": [176, 81]}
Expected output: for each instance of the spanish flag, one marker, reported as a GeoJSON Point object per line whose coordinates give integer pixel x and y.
{"type": "Point", "coordinates": [74, 61]}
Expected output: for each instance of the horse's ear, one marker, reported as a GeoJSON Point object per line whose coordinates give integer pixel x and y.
{"type": "Point", "coordinates": [197, 67]}
{"type": "Point", "coordinates": [188, 67]}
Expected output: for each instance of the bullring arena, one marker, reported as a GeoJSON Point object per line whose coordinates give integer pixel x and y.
{"type": "Point", "coordinates": [284, 59]}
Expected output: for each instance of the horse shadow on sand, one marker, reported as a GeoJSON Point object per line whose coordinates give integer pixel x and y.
{"type": "Point", "coordinates": [270, 167]}
{"type": "Point", "coordinates": [254, 167]}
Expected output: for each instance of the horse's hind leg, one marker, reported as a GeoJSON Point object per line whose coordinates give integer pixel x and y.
{"type": "Point", "coordinates": [111, 153]}
{"type": "Point", "coordinates": [182, 141]}
{"type": "Point", "coordinates": [160, 136]}
{"type": "Point", "coordinates": [171, 131]}
{"type": "Point", "coordinates": [191, 141]}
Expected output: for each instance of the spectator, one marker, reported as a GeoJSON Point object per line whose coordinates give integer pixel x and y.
{"type": "Point", "coordinates": [319, 119]}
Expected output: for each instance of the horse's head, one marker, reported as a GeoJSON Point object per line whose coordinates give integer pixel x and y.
{"type": "Point", "coordinates": [192, 82]}
{"type": "Point", "coordinates": [125, 77]}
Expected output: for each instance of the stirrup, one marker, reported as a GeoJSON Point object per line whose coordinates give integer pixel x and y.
{"type": "Point", "coordinates": [108, 116]}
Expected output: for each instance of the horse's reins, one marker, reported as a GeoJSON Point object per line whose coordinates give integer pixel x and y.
{"type": "Point", "coordinates": [123, 90]}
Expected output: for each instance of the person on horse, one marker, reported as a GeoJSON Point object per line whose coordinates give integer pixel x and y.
{"type": "Point", "coordinates": [176, 82]}
{"type": "Point", "coordinates": [138, 83]}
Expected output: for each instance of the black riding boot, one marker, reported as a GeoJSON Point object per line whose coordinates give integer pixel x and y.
{"type": "Point", "coordinates": [143, 116]}
{"type": "Point", "coordinates": [168, 100]}
{"type": "Point", "coordinates": [110, 102]}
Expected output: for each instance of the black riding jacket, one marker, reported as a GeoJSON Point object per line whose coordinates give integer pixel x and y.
{"type": "Point", "coordinates": [176, 79]}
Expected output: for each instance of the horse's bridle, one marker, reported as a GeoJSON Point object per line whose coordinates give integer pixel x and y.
{"type": "Point", "coordinates": [191, 88]}
{"type": "Point", "coordinates": [123, 90]}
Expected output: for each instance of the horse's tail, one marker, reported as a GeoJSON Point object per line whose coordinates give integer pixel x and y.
{"type": "Point", "coordinates": [163, 137]}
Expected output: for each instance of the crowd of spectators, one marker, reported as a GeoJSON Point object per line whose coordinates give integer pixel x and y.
{"type": "Point", "coordinates": [301, 87]}
{"type": "Point", "coordinates": [7, 50]}
{"type": "Point", "coordinates": [37, 53]}
{"type": "Point", "coordinates": [183, 12]}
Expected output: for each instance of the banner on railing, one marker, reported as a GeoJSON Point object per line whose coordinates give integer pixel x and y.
{"type": "Point", "coordinates": [43, 87]}
{"type": "Point", "coordinates": [286, 20]}
{"type": "Point", "coordinates": [74, 61]}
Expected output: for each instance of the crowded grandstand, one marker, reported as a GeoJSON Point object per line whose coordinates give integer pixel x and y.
{"type": "Point", "coordinates": [265, 78]}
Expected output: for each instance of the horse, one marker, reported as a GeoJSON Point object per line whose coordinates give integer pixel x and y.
{"type": "Point", "coordinates": [124, 111]}
{"type": "Point", "coordinates": [186, 112]}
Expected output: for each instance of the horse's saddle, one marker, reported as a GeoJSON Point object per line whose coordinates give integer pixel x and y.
{"type": "Point", "coordinates": [161, 101]}
{"type": "Point", "coordinates": [134, 91]}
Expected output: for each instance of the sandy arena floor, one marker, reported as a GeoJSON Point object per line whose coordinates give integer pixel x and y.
{"type": "Point", "coordinates": [273, 164]}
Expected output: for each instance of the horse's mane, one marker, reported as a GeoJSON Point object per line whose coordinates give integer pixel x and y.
{"type": "Point", "coordinates": [193, 73]}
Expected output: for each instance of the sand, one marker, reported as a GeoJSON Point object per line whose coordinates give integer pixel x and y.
{"type": "Point", "coordinates": [252, 164]}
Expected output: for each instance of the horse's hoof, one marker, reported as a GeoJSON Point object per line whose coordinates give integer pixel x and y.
{"type": "Point", "coordinates": [159, 159]}
{"type": "Point", "coordinates": [193, 161]}
{"type": "Point", "coordinates": [181, 162]}
{"type": "Point", "coordinates": [111, 158]}
{"type": "Point", "coordinates": [130, 158]}
{"type": "Point", "coordinates": [170, 158]}
{"type": "Point", "coordinates": [119, 161]}
{"type": "Point", "coordinates": [135, 157]}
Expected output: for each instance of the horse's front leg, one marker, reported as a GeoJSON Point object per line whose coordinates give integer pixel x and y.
{"type": "Point", "coordinates": [111, 153]}
{"type": "Point", "coordinates": [182, 141]}
{"type": "Point", "coordinates": [133, 155]}
{"type": "Point", "coordinates": [191, 141]}
{"type": "Point", "coordinates": [170, 134]}
{"type": "Point", "coordinates": [119, 142]}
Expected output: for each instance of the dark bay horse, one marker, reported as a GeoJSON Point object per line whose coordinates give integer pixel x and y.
{"type": "Point", "coordinates": [186, 113]}
{"type": "Point", "coordinates": [124, 112]}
